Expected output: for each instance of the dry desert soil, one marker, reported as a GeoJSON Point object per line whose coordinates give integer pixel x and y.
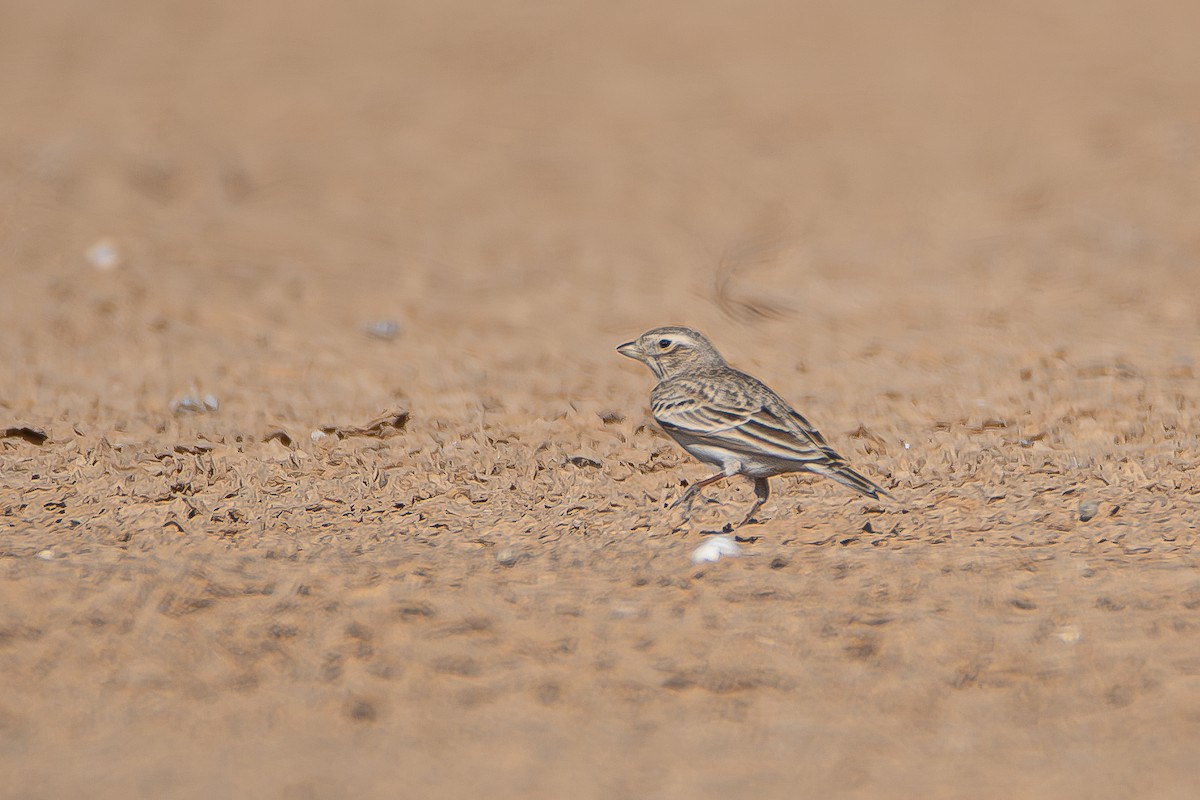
{"type": "Point", "coordinates": [320, 477]}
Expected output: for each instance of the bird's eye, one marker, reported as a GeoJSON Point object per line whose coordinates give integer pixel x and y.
{"type": "Point", "coordinates": [664, 344]}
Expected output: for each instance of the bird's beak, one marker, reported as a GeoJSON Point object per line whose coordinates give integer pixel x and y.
{"type": "Point", "coordinates": [632, 350]}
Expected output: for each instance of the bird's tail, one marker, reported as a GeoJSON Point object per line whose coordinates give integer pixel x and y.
{"type": "Point", "coordinates": [843, 474]}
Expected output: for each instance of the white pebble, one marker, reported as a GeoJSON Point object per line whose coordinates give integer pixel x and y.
{"type": "Point", "coordinates": [715, 547]}
{"type": "Point", "coordinates": [46, 555]}
{"type": "Point", "coordinates": [1069, 635]}
{"type": "Point", "coordinates": [317, 436]}
{"type": "Point", "coordinates": [385, 329]}
{"type": "Point", "coordinates": [193, 403]}
{"type": "Point", "coordinates": [103, 255]}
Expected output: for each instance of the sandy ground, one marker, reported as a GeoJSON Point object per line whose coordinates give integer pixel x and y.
{"type": "Point", "coordinates": [433, 560]}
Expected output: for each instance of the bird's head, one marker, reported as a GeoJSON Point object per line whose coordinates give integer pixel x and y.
{"type": "Point", "coordinates": [670, 351]}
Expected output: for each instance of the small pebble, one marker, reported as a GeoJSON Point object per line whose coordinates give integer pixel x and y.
{"type": "Point", "coordinates": [1069, 635]}
{"type": "Point", "coordinates": [46, 555]}
{"type": "Point", "coordinates": [583, 461]}
{"type": "Point", "coordinates": [506, 557]}
{"type": "Point", "coordinates": [194, 403]}
{"type": "Point", "coordinates": [103, 255]}
{"type": "Point", "coordinates": [385, 329]}
{"type": "Point", "coordinates": [714, 548]}
{"type": "Point", "coordinates": [1088, 509]}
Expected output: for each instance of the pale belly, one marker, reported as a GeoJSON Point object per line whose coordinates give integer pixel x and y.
{"type": "Point", "coordinates": [732, 463]}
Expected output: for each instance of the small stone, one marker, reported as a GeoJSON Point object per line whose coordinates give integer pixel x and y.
{"type": "Point", "coordinates": [1069, 635]}
{"type": "Point", "coordinates": [360, 709]}
{"type": "Point", "coordinates": [715, 548]}
{"type": "Point", "coordinates": [583, 461]}
{"type": "Point", "coordinates": [383, 329]}
{"type": "Point", "coordinates": [194, 403]}
{"type": "Point", "coordinates": [506, 557]}
{"type": "Point", "coordinates": [1088, 509]}
{"type": "Point", "coordinates": [103, 255]}
{"type": "Point", "coordinates": [46, 555]}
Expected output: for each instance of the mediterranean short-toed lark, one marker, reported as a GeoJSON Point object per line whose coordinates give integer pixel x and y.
{"type": "Point", "coordinates": [727, 418]}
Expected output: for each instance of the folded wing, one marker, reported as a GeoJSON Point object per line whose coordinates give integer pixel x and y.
{"type": "Point", "coordinates": [755, 422]}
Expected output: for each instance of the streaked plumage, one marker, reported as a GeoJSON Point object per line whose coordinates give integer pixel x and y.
{"type": "Point", "coordinates": [728, 418]}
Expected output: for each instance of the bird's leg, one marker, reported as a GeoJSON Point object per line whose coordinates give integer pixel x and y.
{"type": "Point", "coordinates": [689, 496]}
{"type": "Point", "coordinates": [762, 490]}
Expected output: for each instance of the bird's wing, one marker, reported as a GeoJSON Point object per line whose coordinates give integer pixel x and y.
{"type": "Point", "coordinates": [802, 427]}
{"type": "Point", "coordinates": [746, 418]}
{"type": "Point", "coordinates": [699, 407]}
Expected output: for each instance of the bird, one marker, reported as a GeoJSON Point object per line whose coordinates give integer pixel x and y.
{"type": "Point", "coordinates": [723, 416]}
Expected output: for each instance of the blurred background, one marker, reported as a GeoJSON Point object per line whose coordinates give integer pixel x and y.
{"type": "Point", "coordinates": [962, 237]}
{"type": "Point", "coordinates": [838, 176]}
